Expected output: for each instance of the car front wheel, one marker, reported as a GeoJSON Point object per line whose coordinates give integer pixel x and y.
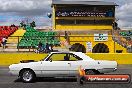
{"type": "Point", "coordinates": [27, 76]}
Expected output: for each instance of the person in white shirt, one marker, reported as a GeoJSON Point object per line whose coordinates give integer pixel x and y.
{"type": "Point", "coordinates": [4, 40]}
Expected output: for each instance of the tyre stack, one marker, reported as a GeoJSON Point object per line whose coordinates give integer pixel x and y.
{"type": "Point", "coordinates": [77, 47]}
{"type": "Point", "coordinates": [100, 48]}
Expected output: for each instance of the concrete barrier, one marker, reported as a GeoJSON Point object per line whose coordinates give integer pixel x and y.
{"type": "Point", "coordinates": [121, 58]}
{"type": "Point", "coordinates": [11, 58]}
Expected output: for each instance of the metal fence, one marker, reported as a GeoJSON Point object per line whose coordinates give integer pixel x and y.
{"type": "Point", "coordinates": [66, 43]}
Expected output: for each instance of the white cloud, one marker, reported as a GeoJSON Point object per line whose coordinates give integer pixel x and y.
{"type": "Point", "coordinates": [23, 5]}
{"type": "Point", "coordinates": [25, 8]}
{"type": "Point", "coordinates": [123, 13]}
{"type": "Point", "coordinates": [33, 8]}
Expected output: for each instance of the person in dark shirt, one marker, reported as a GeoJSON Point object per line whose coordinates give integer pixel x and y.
{"type": "Point", "coordinates": [40, 47]}
{"type": "Point", "coordinates": [115, 25]}
{"type": "Point", "coordinates": [47, 48]}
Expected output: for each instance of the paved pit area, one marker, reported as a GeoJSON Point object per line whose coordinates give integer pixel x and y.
{"type": "Point", "coordinates": [8, 81]}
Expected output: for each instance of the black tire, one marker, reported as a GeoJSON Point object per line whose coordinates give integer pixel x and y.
{"type": "Point", "coordinates": [77, 47]}
{"type": "Point", "coordinates": [88, 72]}
{"type": "Point", "coordinates": [100, 48]}
{"type": "Point", "coordinates": [27, 76]}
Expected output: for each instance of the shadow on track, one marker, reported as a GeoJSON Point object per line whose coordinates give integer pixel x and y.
{"type": "Point", "coordinates": [50, 79]}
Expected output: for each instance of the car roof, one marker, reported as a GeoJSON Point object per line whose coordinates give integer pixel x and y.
{"type": "Point", "coordinates": [80, 54]}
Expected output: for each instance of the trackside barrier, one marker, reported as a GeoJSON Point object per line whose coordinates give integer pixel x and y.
{"type": "Point", "coordinates": [11, 58]}
{"type": "Point", "coordinates": [121, 58]}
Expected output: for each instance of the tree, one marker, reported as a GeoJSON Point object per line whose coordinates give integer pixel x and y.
{"type": "Point", "coordinates": [22, 24]}
{"type": "Point", "coordinates": [33, 24]}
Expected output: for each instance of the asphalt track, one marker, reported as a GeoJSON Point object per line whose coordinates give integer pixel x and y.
{"type": "Point", "coordinates": [8, 81]}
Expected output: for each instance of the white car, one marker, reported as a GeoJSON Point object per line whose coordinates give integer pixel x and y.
{"type": "Point", "coordinates": [60, 64]}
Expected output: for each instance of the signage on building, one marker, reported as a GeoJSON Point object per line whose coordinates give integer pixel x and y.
{"type": "Point", "coordinates": [100, 37]}
{"type": "Point", "coordinates": [89, 46]}
{"type": "Point", "coordinates": [83, 14]}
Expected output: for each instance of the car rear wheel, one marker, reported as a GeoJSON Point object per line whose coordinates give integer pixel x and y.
{"type": "Point", "coordinates": [27, 76]}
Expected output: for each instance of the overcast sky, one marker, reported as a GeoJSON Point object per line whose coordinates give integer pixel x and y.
{"type": "Point", "coordinates": [14, 11]}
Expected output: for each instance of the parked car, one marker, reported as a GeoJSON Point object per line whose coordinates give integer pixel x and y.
{"type": "Point", "coordinates": [61, 64]}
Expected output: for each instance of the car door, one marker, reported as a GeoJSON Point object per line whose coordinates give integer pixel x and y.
{"type": "Point", "coordinates": [75, 62]}
{"type": "Point", "coordinates": [56, 65]}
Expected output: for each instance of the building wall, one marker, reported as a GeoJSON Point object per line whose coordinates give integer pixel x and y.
{"type": "Point", "coordinates": [14, 58]}
{"type": "Point", "coordinates": [82, 27]}
{"type": "Point", "coordinates": [83, 40]}
{"type": "Point", "coordinates": [113, 46]}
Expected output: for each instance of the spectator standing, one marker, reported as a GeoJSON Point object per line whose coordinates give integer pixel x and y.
{"type": "Point", "coordinates": [47, 48]}
{"type": "Point", "coordinates": [115, 25]}
{"type": "Point", "coordinates": [40, 48]}
{"type": "Point", "coordinates": [129, 48]}
{"type": "Point", "coordinates": [40, 45]}
{"type": "Point", "coordinates": [51, 48]}
{"type": "Point", "coordinates": [4, 40]}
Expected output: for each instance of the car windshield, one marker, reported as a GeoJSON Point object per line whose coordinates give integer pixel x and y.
{"type": "Point", "coordinates": [82, 55]}
{"type": "Point", "coordinates": [62, 57]}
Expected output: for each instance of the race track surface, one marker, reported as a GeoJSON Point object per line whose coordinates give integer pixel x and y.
{"type": "Point", "coordinates": [8, 81]}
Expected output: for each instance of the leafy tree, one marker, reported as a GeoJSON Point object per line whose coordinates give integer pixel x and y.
{"type": "Point", "coordinates": [22, 24]}
{"type": "Point", "coordinates": [33, 24]}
